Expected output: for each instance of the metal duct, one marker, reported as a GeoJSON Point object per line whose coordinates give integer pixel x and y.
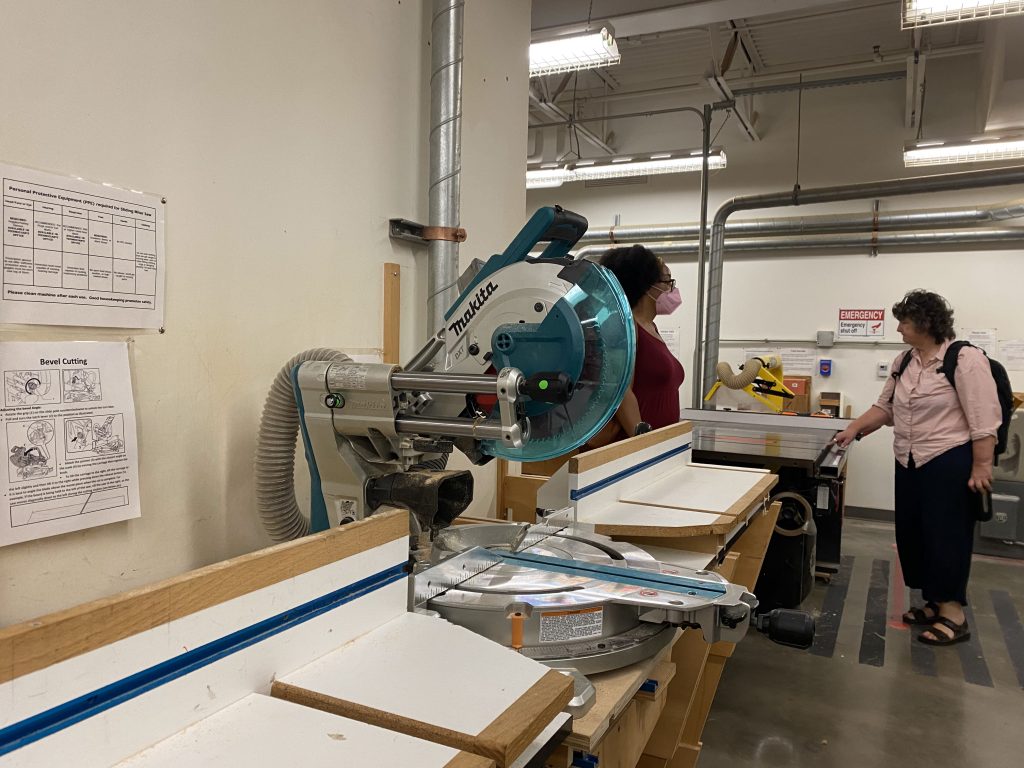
{"type": "Point", "coordinates": [831, 242]}
{"type": "Point", "coordinates": [445, 155]}
{"type": "Point", "coordinates": [942, 218]}
{"type": "Point", "coordinates": [893, 187]}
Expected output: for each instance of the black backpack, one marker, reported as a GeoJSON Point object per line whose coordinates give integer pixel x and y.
{"type": "Point", "coordinates": [1003, 387]}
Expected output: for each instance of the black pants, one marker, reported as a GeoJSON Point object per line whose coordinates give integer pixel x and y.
{"type": "Point", "coordinates": [935, 524]}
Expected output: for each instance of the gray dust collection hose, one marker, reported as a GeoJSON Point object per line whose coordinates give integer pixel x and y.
{"type": "Point", "coordinates": [275, 452]}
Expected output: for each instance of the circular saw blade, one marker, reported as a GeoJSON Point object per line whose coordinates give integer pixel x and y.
{"type": "Point", "coordinates": [597, 303]}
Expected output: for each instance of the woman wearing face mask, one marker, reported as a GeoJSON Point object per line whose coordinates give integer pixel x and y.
{"type": "Point", "coordinates": [652, 401]}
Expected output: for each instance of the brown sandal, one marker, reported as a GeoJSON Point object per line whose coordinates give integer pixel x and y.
{"type": "Point", "coordinates": [918, 616]}
{"type": "Point", "coordinates": [961, 633]}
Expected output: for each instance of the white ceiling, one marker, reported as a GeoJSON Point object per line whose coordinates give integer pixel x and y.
{"type": "Point", "coordinates": [778, 42]}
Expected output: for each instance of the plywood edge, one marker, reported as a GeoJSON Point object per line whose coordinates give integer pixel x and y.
{"type": "Point", "coordinates": [753, 497]}
{"type": "Point", "coordinates": [39, 643]}
{"type": "Point", "coordinates": [507, 736]}
{"type": "Point", "coordinates": [515, 729]}
{"type": "Point", "coordinates": [392, 303]}
{"type": "Point", "coordinates": [467, 760]}
{"type": "Point", "coordinates": [721, 525]}
{"type": "Point", "coordinates": [389, 720]}
{"type": "Point", "coordinates": [614, 690]}
{"type": "Point", "coordinates": [585, 462]}
{"type": "Point", "coordinates": [663, 673]}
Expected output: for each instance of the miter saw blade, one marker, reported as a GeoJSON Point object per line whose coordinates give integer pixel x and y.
{"type": "Point", "coordinates": [608, 336]}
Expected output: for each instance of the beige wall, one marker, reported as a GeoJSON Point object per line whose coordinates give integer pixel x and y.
{"type": "Point", "coordinates": [284, 135]}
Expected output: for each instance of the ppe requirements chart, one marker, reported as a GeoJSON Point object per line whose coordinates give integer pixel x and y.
{"type": "Point", "coordinates": [67, 427]}
{"type": "Point", "coordinates": [80, 253]}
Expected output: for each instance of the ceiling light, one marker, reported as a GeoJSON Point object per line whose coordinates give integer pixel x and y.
{"type": "Point", "coordinates": [569, 54]}
{"type": "Point", "coordinates": [977, 150]}
{"type": "Point", "coordinates": [921, 13]}
{"type": "Point", "coordinates": [538, 177]}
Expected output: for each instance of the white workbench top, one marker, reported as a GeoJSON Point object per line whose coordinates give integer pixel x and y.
{"type": "Point", "coordinates": [261, 731]}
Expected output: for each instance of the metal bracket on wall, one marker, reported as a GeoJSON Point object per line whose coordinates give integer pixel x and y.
{"type": "Point", "coordinates": [414, 232]}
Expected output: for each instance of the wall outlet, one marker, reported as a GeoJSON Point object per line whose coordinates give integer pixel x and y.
{"type": "Point", "coordinates": [882, 370]}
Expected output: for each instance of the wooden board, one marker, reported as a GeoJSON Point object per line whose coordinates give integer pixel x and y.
{"type": "Point", "coordinates": [392, 311]}
{"type": "Point", "coordinates": [689, 654]}
{"type": "Point", "coordinates": [614, 691]}
{"type": "Point", "coordinates": [590, 460]}
{"type": "Point", "coordinates": [260, 731]}
{"type": "Point", "coordinates": [520, 497]}
{"type": "Point", "coordinates": [40, 643]}
{"type": "Point", "coordinates": [474, 695]}
{"type": "Point", "coordinates": [628, 519]}
{"type": "Point", "coordinates": [719, 491]}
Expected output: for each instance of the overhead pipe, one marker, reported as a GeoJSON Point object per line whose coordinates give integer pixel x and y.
{"type": "Point", "coordinates": [796, 196]}
{"type": "Point", "coordinates": [830, 242]}
{"type": "Point", "coordinates": [937, 218]}
{"type": "Point", "coordinates": [445, 155]}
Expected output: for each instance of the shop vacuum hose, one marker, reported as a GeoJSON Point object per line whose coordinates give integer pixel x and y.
{"type": "Point", "coordinates": [275, 452]}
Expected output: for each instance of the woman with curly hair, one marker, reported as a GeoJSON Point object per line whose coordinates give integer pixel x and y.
{"type": "Point", "coordinates": [652, 401]}
{"type": "Point", "coordinates": [944, 443]}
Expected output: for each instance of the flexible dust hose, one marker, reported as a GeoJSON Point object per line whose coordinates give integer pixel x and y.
{"type": "Point", "coordinates": [275, 452]}
{"type": "Point", "coordinates": [744, 378]}
{"type": "Point", "coordinates": [801, 503]}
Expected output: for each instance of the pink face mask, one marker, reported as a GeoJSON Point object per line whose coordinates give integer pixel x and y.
{"type": "Point", "coordinates": [667, 302]}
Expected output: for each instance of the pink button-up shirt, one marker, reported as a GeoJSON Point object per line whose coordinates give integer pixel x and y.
{"type": "Point", "coordinates": [928, 416]}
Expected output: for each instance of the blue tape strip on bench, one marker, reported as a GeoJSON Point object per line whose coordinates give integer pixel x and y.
{"type": "Point", "coordinates": [582, 493]}
{"type": "Point", "coordinates": [69, 713]}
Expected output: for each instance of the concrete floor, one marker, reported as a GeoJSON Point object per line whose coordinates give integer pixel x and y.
{"type": "Point", "coordinates": [877, 697]}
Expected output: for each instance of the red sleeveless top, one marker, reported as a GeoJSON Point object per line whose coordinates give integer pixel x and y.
{"type": "Point", "coordinates": [656, 380]}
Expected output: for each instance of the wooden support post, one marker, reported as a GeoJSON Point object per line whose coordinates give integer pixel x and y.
{"type": "Point", "coordinates": [392, 313]}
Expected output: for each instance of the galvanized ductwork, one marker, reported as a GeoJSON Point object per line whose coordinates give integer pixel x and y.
{"type": "Point", "coordinates": [445, 155]}
{"type": "Point", "coordinates": [894, 187]}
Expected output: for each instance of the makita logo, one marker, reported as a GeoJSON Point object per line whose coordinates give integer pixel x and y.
{"type": "Point", "coordinates": [459, 324]}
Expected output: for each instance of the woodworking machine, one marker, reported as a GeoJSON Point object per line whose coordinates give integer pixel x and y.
{"type": "Point", "coordinates": [534, 358]}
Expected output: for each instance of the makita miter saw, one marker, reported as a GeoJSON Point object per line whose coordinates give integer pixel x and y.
{"type": "Point", "coordinates": [534, 358]}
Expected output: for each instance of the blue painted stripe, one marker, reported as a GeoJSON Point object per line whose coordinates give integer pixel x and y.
{"type": "Point", "coordinates": [69, 713]}
{"type": "Point", "coordinates": [582, 493]}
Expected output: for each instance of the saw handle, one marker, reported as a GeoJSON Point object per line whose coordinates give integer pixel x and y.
{"type": "Point", "coordinates": [566, 226]}
{"type": "Point", "coordinates": [787, 627]}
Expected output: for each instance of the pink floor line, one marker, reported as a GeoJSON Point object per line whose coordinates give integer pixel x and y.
{"type": "Point", "coordinates": [897, 602]}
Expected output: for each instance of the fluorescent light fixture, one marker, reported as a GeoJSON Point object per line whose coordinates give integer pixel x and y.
{"type": "Point", "coordinates": [974, 150]}
{"type": "Point", "coordinates": [922, 13]}
{"type": "Point", "coordinates": [539, 177]}
{"type": "Point", "coordinates": [569, 54]}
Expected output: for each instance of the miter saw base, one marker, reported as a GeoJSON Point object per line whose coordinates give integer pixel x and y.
{"type": "Point", "coordinates": [573, 599]}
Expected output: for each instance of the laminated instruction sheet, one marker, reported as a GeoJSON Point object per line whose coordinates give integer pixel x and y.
{"type": "Point", "coordinates": [80, 253]}
{"type": "Point", "coordinates": [67, 424]}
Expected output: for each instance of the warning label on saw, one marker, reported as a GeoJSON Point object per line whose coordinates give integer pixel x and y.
{"type": "Point", "coordinates": [564, 626]}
